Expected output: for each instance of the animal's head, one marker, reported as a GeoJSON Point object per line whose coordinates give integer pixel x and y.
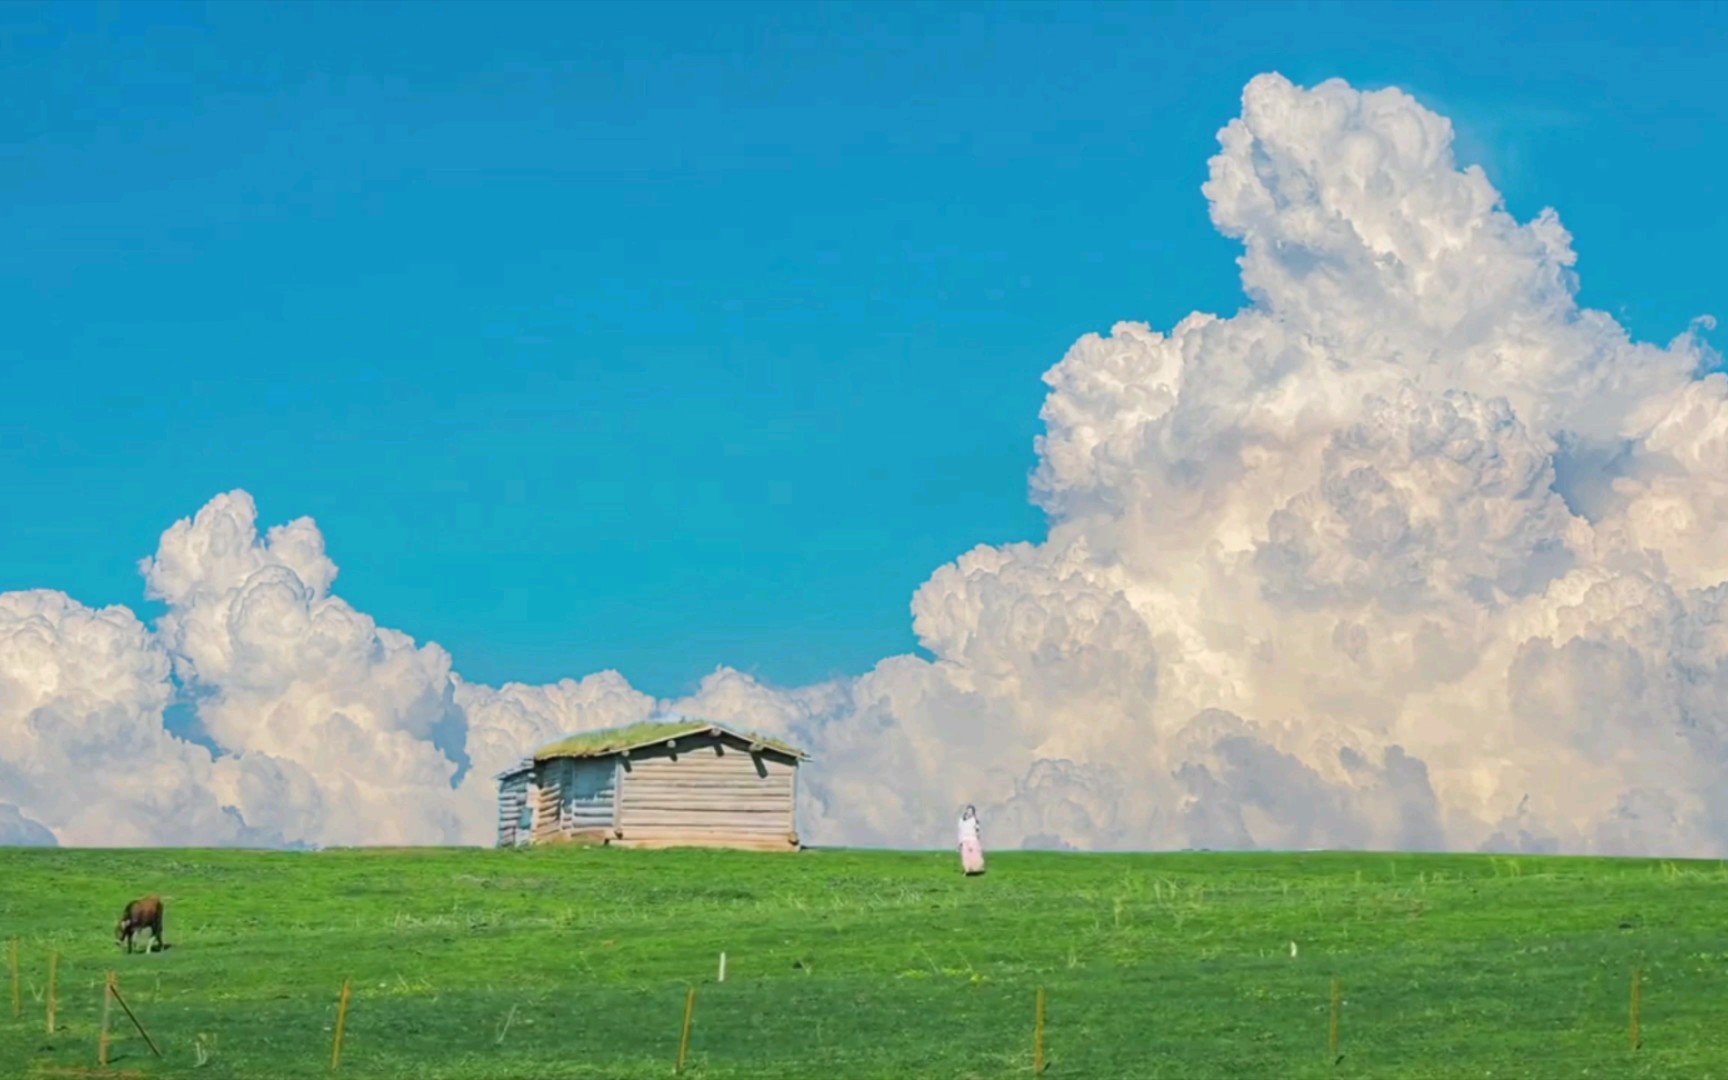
{"type": "Point", "coordinates": [120, 929]}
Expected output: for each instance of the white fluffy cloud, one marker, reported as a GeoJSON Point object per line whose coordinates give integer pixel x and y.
{"type": "Point", "coordinates": [84, 756]}
{"type": "Point", "coordinates": [1411, 552]}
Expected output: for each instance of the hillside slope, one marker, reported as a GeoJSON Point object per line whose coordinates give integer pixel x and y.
{"type": "Point", "coordinates": [470, 964]}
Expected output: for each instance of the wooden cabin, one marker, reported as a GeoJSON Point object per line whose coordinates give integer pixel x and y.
{"type": "Point", "coordinates": [674, 782]}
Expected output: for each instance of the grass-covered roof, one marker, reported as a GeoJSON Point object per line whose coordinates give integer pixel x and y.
{"type": "Point", "coordinates": [616, 740]}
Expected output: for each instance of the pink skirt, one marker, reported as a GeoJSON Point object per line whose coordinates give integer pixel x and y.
{"type": "Point", "coordinates": [972, 856]}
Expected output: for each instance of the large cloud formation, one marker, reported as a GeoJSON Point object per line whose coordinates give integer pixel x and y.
{"type": "Point", "coordinates": [1412, 552]}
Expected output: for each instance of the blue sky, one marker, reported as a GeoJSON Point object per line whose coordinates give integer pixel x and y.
{"type": "Point", "coordinates": [663, 336]}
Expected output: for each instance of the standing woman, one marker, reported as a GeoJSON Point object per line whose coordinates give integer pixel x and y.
{"type": "Point", "coordinates": [971, 843]}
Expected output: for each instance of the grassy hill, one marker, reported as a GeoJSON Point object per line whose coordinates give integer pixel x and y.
{"type": "Point", "coordinates": [840, 964]}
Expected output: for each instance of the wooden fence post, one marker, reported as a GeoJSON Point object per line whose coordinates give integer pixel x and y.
{"type": "Point", "coordinates": [341, 1025]}
{"type": "Point", "coordinates": [107, 1004]}
{"type": "Point", "coordinates": [1038, 1036]}
{"type": "Point", "coordinates": [684, 1036]}
{"type": "Point", "coordinates": [53, 983]}
{"type": "Point", "coordinates": [1637, 1003]}
{"type": "Point", "coordinates": [114, 989]}
{"type": "Point", "coordinates": [1337, 1006]}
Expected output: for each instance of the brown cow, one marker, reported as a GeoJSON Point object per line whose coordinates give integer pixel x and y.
{"type": "Point", "coordinates": [145, 914]}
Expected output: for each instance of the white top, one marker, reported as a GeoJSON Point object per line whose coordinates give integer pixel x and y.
{"type": "Point", "coordinates": [968, 829]}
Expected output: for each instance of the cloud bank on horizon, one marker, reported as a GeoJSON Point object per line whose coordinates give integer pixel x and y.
{"type": "Point", "coordinates": [1412, 552]}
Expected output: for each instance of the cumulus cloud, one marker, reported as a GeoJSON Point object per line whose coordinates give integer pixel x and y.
{"type": "Point", "coordinates": [334, 729]}
{"type": "Point", "coordinates": [84, 754]}
{"type": "Point", "coordinates": [1413, 551]}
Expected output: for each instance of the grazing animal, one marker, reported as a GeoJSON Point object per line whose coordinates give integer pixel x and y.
{"type": "Point", "coordinates": [140, 915]}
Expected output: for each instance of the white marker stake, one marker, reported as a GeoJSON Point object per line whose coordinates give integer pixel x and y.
{"type": "Point", "coordinates": [722, 967]}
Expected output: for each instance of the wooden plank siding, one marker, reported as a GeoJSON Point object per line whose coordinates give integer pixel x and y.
{"type": "Point", "coordinates": [588, 785]}
{"type": "Point", "coordinates": [546, 802]}
{"type": "Point", "coordinates": [694, 786]}
{"type": "Point", "coordinates": [707, 790]}
{"type": "Point", "coordinates": [512, 797]}
{"type": "Point", "coordinates": [568, 798]}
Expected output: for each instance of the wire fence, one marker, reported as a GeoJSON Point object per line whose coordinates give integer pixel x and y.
{"type": "Point", "coordinates": [86, 1022]}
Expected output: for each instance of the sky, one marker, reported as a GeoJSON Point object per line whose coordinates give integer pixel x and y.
{"type": "Point", "coordinates": [692, 342]}
{"type": "Point", "coordinates": [659, 337]}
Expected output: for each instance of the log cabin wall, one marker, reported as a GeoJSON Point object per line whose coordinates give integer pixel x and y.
{"type": "Point", "coordinates": [707, 790]}
{"type": "Point", "coordinates": [549, 794]}
{"type": "Point", "coordinates": [588, 786]}
{"type": "Point", "coordinates": [512, 801]}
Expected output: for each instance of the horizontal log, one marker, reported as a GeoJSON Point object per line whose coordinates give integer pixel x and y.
{"type": "Point", "coordinates": [667, 819]}
{"type": "Point", "coordinates": [707, 794]}
{"type": "Point", "coordinates": [675, 781]}
{"type": "Point", "coordinates": [704, 814]}
{"type": "Point", "coordinates": [692, 780]}
{"type": "Point", "coordinates": [713, 799]}
{"type": "Point", "coordinates": [709, 761]}
{"type": "Point", "coordinates": [640, 776]}
{"type": "Point", "coordinates": [706, 776]}
{"type": "Point", "coordinates": [722, 787]}
{"type": "Point", "coordinates": [766, 825]}
{"type": "Point", "coordinates": [664, 820]}
{"type": "Point", "coordinates": [710, 806]}
{"type": "Point", "coordinates": [731, 789]}
{"type": "Point", "coordinates": [678, 830]}
{"type": "Point", "coordinates": [732, 756]}
{"type": "Point", "coordinates": [739, 762]}
{"type": "Point", "coordinates": [707, 749]}
{"type": "Point", "coordinates": [705, 806]}
{"type": "Point", "coordinates": [738, 842]}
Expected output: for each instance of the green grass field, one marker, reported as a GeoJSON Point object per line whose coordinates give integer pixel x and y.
{"type": "Point", "coordinates": [574, 962]}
